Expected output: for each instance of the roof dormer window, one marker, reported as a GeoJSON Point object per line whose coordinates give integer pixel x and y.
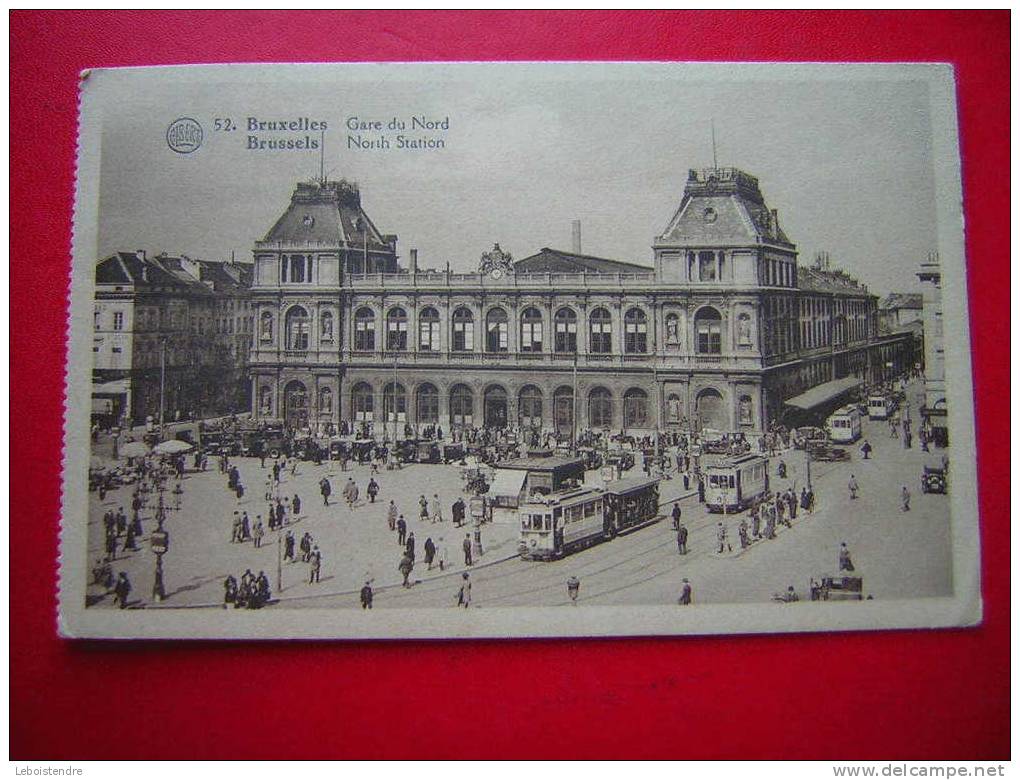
{"type": "Point", "coordinates": [709, 215]}
{"type": "Point", "coordinates": [308, 221]}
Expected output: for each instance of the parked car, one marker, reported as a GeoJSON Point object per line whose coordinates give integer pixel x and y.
{"type": "Point", "coordinates": [934, 480]}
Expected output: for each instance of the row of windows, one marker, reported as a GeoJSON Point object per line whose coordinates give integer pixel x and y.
{"type": "Point", "coordinates": [533, 335]}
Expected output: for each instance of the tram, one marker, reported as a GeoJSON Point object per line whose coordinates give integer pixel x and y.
{"type": "Point", "coordinates": [880, 407]}
{"type": "Point", "coordinates": [734, 484]}
{"type": "Point", "coordinates": [557, 524]}
{"type": "Point", "coordinates": [844, 426]}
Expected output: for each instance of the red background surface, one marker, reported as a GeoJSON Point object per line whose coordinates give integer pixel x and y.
{"type": "Point", "coordinates": [909, 694]}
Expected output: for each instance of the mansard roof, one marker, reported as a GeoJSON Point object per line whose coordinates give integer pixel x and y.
{"type": "Point", "coordinates": [327, 213]}
{"type": "Point", "coordinates": [548, 260]}
{"type": "Point", "coordinates": [723, 206]}
{"type": "Point", "coordinates": [902, 301]}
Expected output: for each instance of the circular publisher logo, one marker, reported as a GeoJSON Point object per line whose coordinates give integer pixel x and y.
{"type": "Point", "coordinates": [184, 135]}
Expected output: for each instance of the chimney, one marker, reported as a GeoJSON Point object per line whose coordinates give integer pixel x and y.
{"type": "Point", "coordinates": [576, 229]}
{"type": "Point", "coordinates": [140, 254]}
{"type": "Point", "coordinates": [414, 261]}
{"type": "Point", "coordinates": [775, 221]}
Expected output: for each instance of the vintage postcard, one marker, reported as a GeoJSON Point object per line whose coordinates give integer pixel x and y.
{"type": "Point", "coordinates": [517, 350]}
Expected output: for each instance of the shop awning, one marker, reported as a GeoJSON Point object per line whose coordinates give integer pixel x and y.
{"type": "Point", "coordinates": [508, 483]}
{"type": "Point", "coordinates": [818, 395]}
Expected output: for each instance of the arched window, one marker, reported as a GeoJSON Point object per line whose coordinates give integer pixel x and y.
{"type": "Point", "coordinates": [463, 330]}
{"type": "Point", "coordinates": [427, 409]}
{"type": "Point", "coordinates": [708, 327]}
{"type": "Point", "coordinates": [462, 405]}
{"type": "Point", "coordinates": [566, 331]}
{"type": "Point", "coordinates": [600, 408]}
{"type": "Point", "coordinates": [396, 329]}
{"type": "Point", "coordinates": [394, 403]}
{"type": "Point", "coordinates": [635, 408]}
{"type": "Point", "coordinates": [496, 331]}
{"type": "Point", "coordinates": [635, 329]}
{"type": "Point", "coordinates": [495, 407]}
{"type": "Point", "coordinates": [325, 401]}
{"type": "Point", "coordinates": [364, 329]}
{"type": "Point", "coordinates": [710, 411]}
{"type": "Point", "coordinates": [529, 407]}
{"type": "Point", "coordinates": [362, 402]}
{"type": "Point", "coordinates": [531, 330]}
{"type": "Point", "coordinates": [265, 326]}
{"type": "Point", "coordinates": [296, 328]}
{"type": "Point", "coordinates": [428, 330]}
{"type": "Point", "coordinates": [601, 332]}
{"type": "Point", "coordinates": [326, 326]}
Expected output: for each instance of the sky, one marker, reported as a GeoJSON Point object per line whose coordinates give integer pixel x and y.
{"type": "Point", "coordinates": [847, 163]}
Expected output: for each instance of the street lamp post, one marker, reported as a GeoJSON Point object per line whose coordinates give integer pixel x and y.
{"type": "Point", "coordinates": [162, 385]}
{"type": "Point", "coordinates": [279, 560]}
{"type": "Point", "coordinates": [160, 542]}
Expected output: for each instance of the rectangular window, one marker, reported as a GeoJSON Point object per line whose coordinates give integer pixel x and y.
{"type": "Point", "coordinates": [364, 336]}
{"type": "Point", "coordinates": [706, 267]}
{"type": "Point", "coordinates": [636, 334]}
{"type": "Point", "coordinates": [531, 337]}
{"type": "Point", "coordinates": [396, 335]}
{"type": "Point", "coordinates": [463, 336]}
{"type": "Point", "coordinates": [566, 337]}
{"type": "Point", "coordinates": [428, 336]}
{"type": "Point", "coordinates": [118, 320]}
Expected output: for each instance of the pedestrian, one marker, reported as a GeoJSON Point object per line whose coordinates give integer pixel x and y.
{"type": "Point", "coordinates": [122, 590]}
{"type": "Point", "coordinates": [121, 522]}
{"type": "Point", "coordinates": [259, 532]}
{"type": "Point", "coordinates": [409, 545]}
{"type": "Point", "coordinates": [685, 594]}
{"type": "Point", "coordinates": [325, 488]}
{"type": "Point", "coordinates": [111, 546]}
{"type": "Point", "coordinates": [681, 539]}
{"type": "Point", "coordinates": [391, 515]}
{"type": "Point", "coordinates": [351, 494]}
{"type": "Point", "coordinates": [742, 532]}
{"type": "Point", "coordinates": [430, 552]}
{"type": "Point", "coordinates": [866, 450]}
{"type": "Point", "coordinates": [720, 536]}
{"type": "Point", "coordinates": [573, 589]}
{"type": "Point", "coordinates": [467, 550]}
{"type": "Point", "coordinates": [853, 487]}
{"type": "Point", "coordinates": [262, 591]}
{"type": "Point", "coordinates": [401, 531]}
{"type": "Point", "coordinates": [804, 499]}
{"type": "Point", "coordinates": [845, 564]}
{"type": "Point", "coordinates": [306, 547]}
{"type": "Point", "coordinates": [423, 508]}
{"type": "Point", "coordinates": [245, 527]}
{"type": "Point", "coordinates": [239, 490]}
{"type": "Point", "coordinates": [297, 505]}
{"type": "Point", "coordinates": [129, 542]}
{"type": "Point", "coordinates": [405, 567]}
{"type": "Point", "coordinates": [464, 593]}
{"type": "Point", "coordinates": [372, 490]}
{"type": "Point", "coordinates": [905, 499]}
{"type": "Point", "coordinates": [288, 546]}
{"type": "Point", "coordinates": [755, 522]}
{"type": "Point", "coordinates": [437, 509]}
{"type": "Point", "coordinates": [229, 591]}
{"type": "Point", "coordinates": [316, 565]}
{"type": "Point", "coordinates": [443, 554]}
{"type": "Point", "coordinates": [676, 516]}
{"type": "Point", "coordinates": [366, 595]}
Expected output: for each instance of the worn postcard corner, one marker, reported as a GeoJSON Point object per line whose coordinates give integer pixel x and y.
{"type": "Point", "coordinates": [517, 350]}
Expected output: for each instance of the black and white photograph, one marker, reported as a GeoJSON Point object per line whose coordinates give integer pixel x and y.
{"type": "Point", "coordinates": [496, 350]}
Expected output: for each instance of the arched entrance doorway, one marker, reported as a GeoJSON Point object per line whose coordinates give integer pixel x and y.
{"type": "Point", "coordinates": [495, 407]}
{"type": "Point", "coordinates": [711, 411]}
{"type": "Point", "coordinates": [563, 410]}
{"type": "Point", "coordinates": [295, 405]}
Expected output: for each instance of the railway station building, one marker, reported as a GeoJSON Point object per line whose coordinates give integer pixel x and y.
{"type": "Point", "coordinates": [723, 331]}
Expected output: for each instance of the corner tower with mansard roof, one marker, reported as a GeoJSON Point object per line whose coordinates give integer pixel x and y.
{"type": "Point", "coordinates": [323, 236]}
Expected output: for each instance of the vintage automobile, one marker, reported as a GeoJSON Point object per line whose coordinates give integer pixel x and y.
{"type": "Point", "coordinates": [837, 587]}
{"type": "Point", "coordinates": [592, 457]}
{"type": "Point", "coordinates": [820, 451]}
{"type": "Point", "coordinates": [427, 452]}
{"type": "Point", "coordinates": [452, 452]}
{"type": "Point", "coordinates": [934, 480]}
{"type": "Point", "coordinates": [803, 437]}
{"type": "Point", "coordinates": [220, 443]}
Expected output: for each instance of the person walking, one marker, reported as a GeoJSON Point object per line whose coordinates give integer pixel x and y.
{"type": "Point", "coordinates": [467, 550]}
{"type": "Point", "coordinates": [681, 539]}
{"type": "Point", "coordinates": [288, 546]}
{"type": "Point", "coordinates": [442, 554]}
{"type": "Point", "coordinates": [720, 536]}
{"type": "Point", "coordinates": [676, 516]}
{"type": "Point", "coordinates": [405, 567]}
{"type": "Point", "coordinates": [259, 532]}
{"type": "Point", "coordinates": [372, 490]}
{"type": "Point", "coordinates": [437, 509]}
{"type": "Point", "coordinates": [391, 515]}
{"type": "Point", "coordinates": [853, 487]}
{"type": "Point", "coordinates": [905, 499]}
{"type": "Point", "coordinates": [229, 591]}
{"type": "Point", "coordinates": [866, 450]}
{"type": "Point", "coordinates": [423, 508]}
{"type": "Point", "coordinates": [122, 590]}
{"type": "Point", "coordinates": [685, 594]}
{"type": "Point", "coordinates": [430, 552]}
{"type": "Point", "coordinates": [245, 527]}
{"type": "Point", "coordinates": [409, 545]}
{"type": "Point", "coordinates": [573, 589]}
{"type": "Point", "coordinates": [366, 595]}
{"type": "Point", "coordinates": [464, 593]}
{"type": "Point", "coordinates": [401, 531]}
{"type": "Point", "coordinates": [316, 565]}
{"type": "Point", "coordinates": [845, 564]}
{"type": "Point", "coordinates": [306, 547]}
{"type": "Point", "coordinates": [297, 505]}
{"type": "Point", "coordinates": [325, 488]}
